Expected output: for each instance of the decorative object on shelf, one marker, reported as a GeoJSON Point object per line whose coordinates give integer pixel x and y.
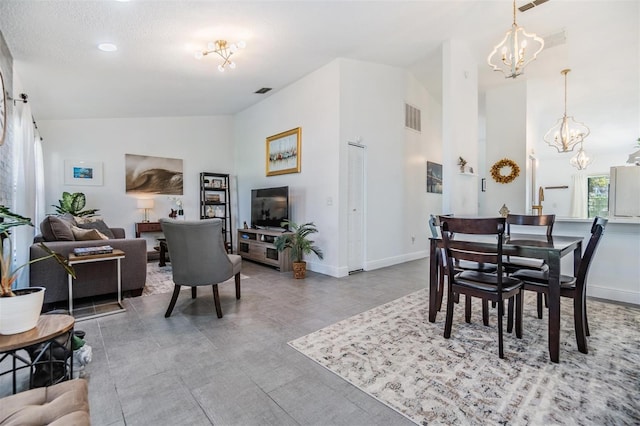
{"type": "Point", "coordinates": [73, 203]}
{"type": "Point", "coordinates": [504, 211]}
{"type": "Point", "coordinates": [634, 158]}
{"type": "Point", "coordinates": [224, 49]}
{"type": "Point", "coordinates": [434, 177]}
{"type": "Point", "coordinates": [216, 183]}
{"type": "Point", "coordinates": [215, 196]}
{"type": "Point", "coordinates": [179, 210]}
{"type": "Point", "coordinates": [513, 53]}
{"type": "Point", "coordinates": [210, 212]}
{"type": "Point", "coordinates": [283, 152]}
{"type": "Point", "coordinates": [20, 309]}
{"type": "Point", "coordinates": [245, 225]}
{"type": "Point", "coordinates": [462, 163]}
{"type": "Point", "coordinates": [299, 244]}
{"type": "Point", "coordinates": [173, 213]}
{"type": "Point", "coordinates": [80, 172]}
{"type": "Point", "coordinates": [146, 204]}
{"type": "Point", "coordinates": [471, 170]}
{"type": "Point", "coordinates": [567, 132]}
{"type": "Point", "coordinates": [153, 175]}
{"type": "Point", "coordinates": [581, 160]}
{"type": "Point", "coordinates": [499, 165]}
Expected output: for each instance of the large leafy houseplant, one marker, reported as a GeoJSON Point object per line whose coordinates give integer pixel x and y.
{"type": "Point", "coordinates": [73, 203]}
{"type": "Point", "coordinates": [299, 244]}
{"type": "Point", "coordinates": [8, 275]}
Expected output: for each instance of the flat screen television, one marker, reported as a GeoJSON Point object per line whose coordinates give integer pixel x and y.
{"type": "Point", "coordinates": [269, 207]}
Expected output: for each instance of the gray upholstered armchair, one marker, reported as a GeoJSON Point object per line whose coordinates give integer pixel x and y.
{"type": "Point", "coordinates": [198, 257]}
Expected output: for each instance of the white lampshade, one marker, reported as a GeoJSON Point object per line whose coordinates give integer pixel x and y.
{"type": "Point", "coordinates": [145, 203]}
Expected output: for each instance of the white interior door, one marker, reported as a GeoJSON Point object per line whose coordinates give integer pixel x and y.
{"type": "Point", "coordinates": [355, 225]}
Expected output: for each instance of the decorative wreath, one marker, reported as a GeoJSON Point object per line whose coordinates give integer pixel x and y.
{"type": "Point", "coordinates": [500, 178]}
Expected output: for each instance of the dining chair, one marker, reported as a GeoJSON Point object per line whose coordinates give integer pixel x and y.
{"type": "Point", "coordinates": [515, 263]}
{"type": "Point", "coordinates": [199, 258]}
{"type": "Point", "coordinates": [463, 265]}
{"type": "Point", "coordinates": [458, 238]}
{"type": "Point", "coordinates": [572, 287]}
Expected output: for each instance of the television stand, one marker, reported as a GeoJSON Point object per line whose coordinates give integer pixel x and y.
{"type": "Point", "coordinates": [258, 245]}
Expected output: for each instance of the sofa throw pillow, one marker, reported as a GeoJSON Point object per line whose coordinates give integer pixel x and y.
{"type": "Point", "coordinates": [100, 226]}
{"type": "Point", "coordinates": [54, 228]}
{"type": "Point", "coordinates": [86, 219]}
{"type": "Point", "coordinates": [87, 234]}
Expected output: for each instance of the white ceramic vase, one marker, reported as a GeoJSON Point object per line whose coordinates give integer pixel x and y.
{"type": "Point", "coordinates": [21, 312]}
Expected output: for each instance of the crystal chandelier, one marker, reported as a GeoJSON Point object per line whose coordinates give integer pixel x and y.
{"type": "Point", "coordinates": [223, 49]}
{"type": "Point", "coordinates": [580, 161]}
{"type": "Point", "coordinates": [513, 53]}
{"type": "Point", "coordinates": [567, 132]}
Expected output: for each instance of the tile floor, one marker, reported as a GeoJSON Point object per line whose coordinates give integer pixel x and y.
{"type": "Point", "coordinates": [196, 369]}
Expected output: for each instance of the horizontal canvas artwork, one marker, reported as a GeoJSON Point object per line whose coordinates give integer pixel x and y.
{"type": "Point", "coordinates": [153, 175]}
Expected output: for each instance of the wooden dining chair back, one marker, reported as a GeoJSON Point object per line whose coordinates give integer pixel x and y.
{"type": "Point", "coordinates": [546, 220]}
{"type": "Point", "coordinates": [460, 239]}
{"type": "Point", "coordinates": [572, 287]}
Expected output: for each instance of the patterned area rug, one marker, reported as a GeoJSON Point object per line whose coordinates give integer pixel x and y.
{"type": "Point", "coordinates": [396, 355]}
{"type": "Point", "coordinates": [159, 280]}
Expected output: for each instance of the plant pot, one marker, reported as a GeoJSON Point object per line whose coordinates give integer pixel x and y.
{"type": "Point", "coordinates": [21, 312]}
{"type": "Point", "coordinates": [299, 270]}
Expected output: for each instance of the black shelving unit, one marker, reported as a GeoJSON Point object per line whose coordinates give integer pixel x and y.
{"type": "Point", "coordinates": [215, 202]}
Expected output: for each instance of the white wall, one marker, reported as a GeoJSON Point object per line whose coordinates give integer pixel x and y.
{"type": "Point", "coordinates": [343, 101]}
{"type": "Point", "coordinates": [506, 119]}
{"type": "Point", "coordinates": [203, 143]}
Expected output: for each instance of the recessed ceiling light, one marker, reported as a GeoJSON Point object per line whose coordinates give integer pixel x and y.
{"type": "Point", "coordinates": [107, 47]}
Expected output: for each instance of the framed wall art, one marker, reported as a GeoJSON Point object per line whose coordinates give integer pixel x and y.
{"type": "Point", "coordinates": [153, 175]}
{"type": "Point", "coordinates": [80, 172]}
{"type": "Point", "coordinates": [434, 177]}
{"type": "Point", "coordinates": [283, 152]}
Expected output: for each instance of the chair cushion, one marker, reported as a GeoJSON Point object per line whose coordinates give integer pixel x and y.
{"type": "Point", "coordinates": [486, 282]}
{"type": "Point", "coordinates": [100, 226]}
{"type": "Point", "coordinates": [56, 228]}
{"type": "Point", "coordinates": [63, 404]}
{"type": "Point", "coordinates": [542, 278]}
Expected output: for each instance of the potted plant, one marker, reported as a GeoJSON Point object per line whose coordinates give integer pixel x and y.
{"type": "Point", "coordinates": [73, 204]}
{"type": "Point", "coordinates": [20, 309]}
{"type": "Point", "coordinates": [299, 244]}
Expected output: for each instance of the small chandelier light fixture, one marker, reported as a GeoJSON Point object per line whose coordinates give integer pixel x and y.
{"type": "Point", "coordinates": [513, 53]}
{"type": "Point", "coordinates": [223, 49]}
{"type": "Point", "coordinates": [581, 160]}
{"type": "Point", "coordinates": [567, 132]}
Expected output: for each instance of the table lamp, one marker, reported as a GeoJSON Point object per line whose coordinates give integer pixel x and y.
{"type": "Point", "coordinates": [146, 204]}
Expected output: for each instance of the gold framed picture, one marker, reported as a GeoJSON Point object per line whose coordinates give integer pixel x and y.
{"type": "Point", "coordinates": [283, 152]}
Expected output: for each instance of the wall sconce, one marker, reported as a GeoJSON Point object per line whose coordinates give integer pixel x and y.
{"type": "Point", "coordinates": [146, 204]}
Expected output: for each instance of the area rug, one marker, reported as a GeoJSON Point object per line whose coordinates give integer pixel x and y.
{"type": "Point", "coordinates": [159, 280]}
{"type": "Point", "coordinates": [395, 355]}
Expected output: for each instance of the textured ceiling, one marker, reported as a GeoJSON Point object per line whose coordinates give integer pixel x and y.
{"type": "Point", "coordinates": [154, 72]}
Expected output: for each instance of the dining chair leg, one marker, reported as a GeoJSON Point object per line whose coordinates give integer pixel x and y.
{"type": "Point", "coordinates": [441, 275]}
{"type": "Point", "coordinates": [539, 304]}
{"type": "Point", "coordinates": [485, 312]}
{"type": "Point", "coordinates": [216, 300]}
{"type": "Point", "coordinates": [194, 292]}
{"type": "Point", "coordinates": [510, 315]}
{"type": "Point", "coordinates": [174, 298]}
{"type": "Point", "coordinates": [238, 285]}
{"type": "Point", "coordinates": [467, 309]}
{"type": "Point", "coordinates": [456, 297]}
{"type": "Point", "coordinates": [519, 314]}
{"type": "Point", "coordinates": [500, 315]}
{"type": "Point", "coordinates": [449, 318]}
{"type": "Point", "coordinates": [578, 321]}
{"type": "Point", "coordinates": [586, 321]}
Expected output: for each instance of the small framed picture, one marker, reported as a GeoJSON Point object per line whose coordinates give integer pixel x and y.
{"type": "Point", "coordinates": [216, 183]}
{"type": "Point", "coordinates": [78, 172]}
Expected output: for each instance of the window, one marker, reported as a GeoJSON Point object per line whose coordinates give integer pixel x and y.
{"type": "Point", "coordinates": [597, 195]}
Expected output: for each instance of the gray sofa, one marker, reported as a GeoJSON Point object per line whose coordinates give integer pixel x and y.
{"type": "Point", "coordinates": [93, 279]}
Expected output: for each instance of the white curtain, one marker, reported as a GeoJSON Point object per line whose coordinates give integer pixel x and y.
{"type": "Point", "coordinates": [39, 213]}
{"type": "Point", "coordinates": [24, 188]}
{"type": "Point", "coordinates": [579, 196]}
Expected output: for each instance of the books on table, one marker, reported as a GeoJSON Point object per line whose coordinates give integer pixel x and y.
{"type": "Point", "coordinates": [87, 251]}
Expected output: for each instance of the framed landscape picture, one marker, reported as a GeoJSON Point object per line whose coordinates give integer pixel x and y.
{"type": "Point", "coordinates": [283, 152]}
{"type": "Point", "coordinates": [153, 175]}
{"type": "Point", "coordinates": [434, 177]}
{"type": "Point", "coordinates": [80, 172]}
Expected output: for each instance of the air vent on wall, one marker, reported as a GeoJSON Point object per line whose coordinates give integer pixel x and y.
{"type": "Point", "coordinates": [263, 90]}
{"type": "Point", "coordinates": [531, 5]}
{"type": "Point", "coordinates": [412, 117]}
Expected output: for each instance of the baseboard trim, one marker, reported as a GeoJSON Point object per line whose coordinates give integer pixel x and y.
{"type": "Point", "coordinates": [606, 293]}
{"type": "Point", "coordinates": [395, 260]}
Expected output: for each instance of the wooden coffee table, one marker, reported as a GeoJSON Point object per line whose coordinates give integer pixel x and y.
{"type": "Point", "coordinates": [48, 330]}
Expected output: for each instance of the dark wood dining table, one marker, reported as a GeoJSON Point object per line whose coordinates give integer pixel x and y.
{"type": "Point", "coordinates": [550, 249]}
